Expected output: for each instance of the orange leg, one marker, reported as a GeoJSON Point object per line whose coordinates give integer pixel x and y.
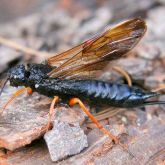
{"type": "Point", "coordinates": [74, 101]}
{"type": "Point", "coordinates": [55, 100]}
{"type": "Point", "coordinates": [115, 139]}
{"type": "Point", "coordinates": [16, 94]}
{"type": "Point", "coordinates": [124, 73]}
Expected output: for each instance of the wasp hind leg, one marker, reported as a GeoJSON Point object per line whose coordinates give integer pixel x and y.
{"type": "Point", "coordinates": [54, 102]}
{"type": "Point", "coordinates": [115, 139]}
{"type": "Point", "coordinates": [124, 73]}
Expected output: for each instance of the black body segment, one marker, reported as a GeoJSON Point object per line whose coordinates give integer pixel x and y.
{"type": "Point", "coordinates": [98, 92]}
{"type": "Point", "coordinates": [93, 91]}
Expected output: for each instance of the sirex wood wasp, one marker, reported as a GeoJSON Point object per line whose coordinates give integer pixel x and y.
{"type": "Point", "coordinates": [70, 75]}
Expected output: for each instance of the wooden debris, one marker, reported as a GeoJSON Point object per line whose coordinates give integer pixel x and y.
{"type": "Point", "coordinates": [23, 121]}
{"type": "Point", "coordinates": [65, 140]}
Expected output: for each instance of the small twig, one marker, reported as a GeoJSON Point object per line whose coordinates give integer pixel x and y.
{"type": "Point", "coordinates": [23, 49]}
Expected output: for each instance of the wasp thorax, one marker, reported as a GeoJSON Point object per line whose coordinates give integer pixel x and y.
{"type": "Point", "coordinates": [28, 76]}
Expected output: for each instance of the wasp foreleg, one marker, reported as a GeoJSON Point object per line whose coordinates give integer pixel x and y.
{"type": "Point", "coordinates": [16, 94]}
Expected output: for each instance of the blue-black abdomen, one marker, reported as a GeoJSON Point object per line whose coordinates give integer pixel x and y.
{"type": "Point", "coordinates": [98, 92]}
{"type": "Point", "coordinates": [108, 93]}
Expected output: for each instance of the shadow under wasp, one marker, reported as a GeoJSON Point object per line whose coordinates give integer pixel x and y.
{"type": "Point", "coordinates": [71, 75]}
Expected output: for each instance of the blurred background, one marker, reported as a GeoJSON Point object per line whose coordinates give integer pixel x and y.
{"type": "Point", "coordinates": [14, 9]}
{"type": "Point", "coordinates": [10, 11]}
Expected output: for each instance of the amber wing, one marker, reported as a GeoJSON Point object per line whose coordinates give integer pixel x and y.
{"type": "Point", "coordinates": [95, 53]}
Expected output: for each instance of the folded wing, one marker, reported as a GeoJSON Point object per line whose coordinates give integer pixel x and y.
{"type": "Point", "coordinates": [92, 55]}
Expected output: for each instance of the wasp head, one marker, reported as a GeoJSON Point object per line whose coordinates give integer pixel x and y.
{"type": "Point", "coordinates": [17, 75]}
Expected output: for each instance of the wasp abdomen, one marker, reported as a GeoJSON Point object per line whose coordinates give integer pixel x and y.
{"type": "Point", "coordinates": [99, 92]}
{"type": "Point", "coordinates": [110, 93]}
{"type": "Point", "coordinates": [99, 89]}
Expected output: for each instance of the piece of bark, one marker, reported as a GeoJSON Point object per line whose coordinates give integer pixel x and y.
{"type": "Point", "coordinates": [37, 153]}
{"type": "Point", "coordinates": [65, 139]}
{"type": "Point", "coordinates": [147, 145]}
{"type": "Point", "coordinates": [24, 120]}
